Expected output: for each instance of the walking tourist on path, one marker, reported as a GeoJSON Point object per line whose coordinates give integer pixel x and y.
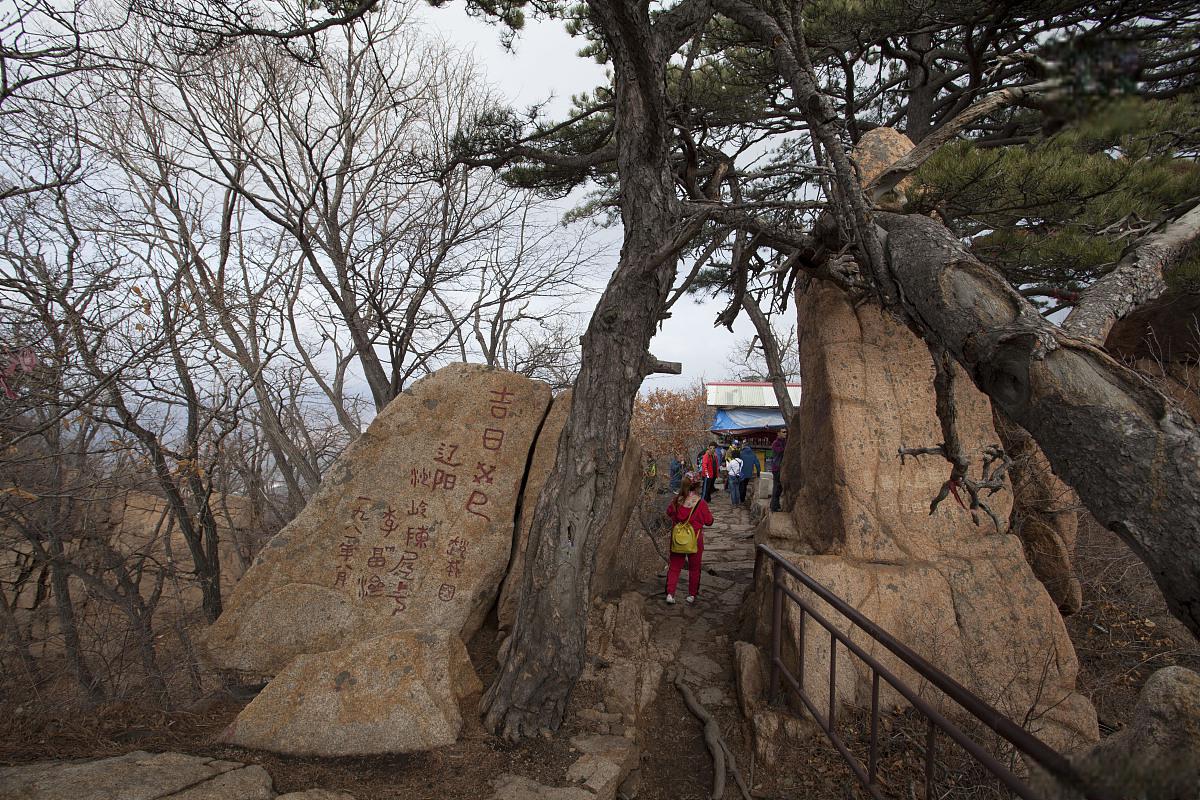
{"type": "Point", "coordinates": [708, 470]}
{"type": "Point", "coordinates": [777, 448]}
{"type": "Point", "coordinates": [733, 477]}
{"type": "Point", "coordinates": [750, 469]}
{"type": "Point", "coordinates": [688, 506]}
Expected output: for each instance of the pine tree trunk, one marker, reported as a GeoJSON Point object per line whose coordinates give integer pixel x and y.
{"type": "Point", "coordinates": [547, 648]}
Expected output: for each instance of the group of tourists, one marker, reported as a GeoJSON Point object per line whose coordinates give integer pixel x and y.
{"type": "Point", "coordinates": [689, 512]}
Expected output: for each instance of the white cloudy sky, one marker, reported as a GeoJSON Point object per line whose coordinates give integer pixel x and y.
{"type": "Point", "coordinates": [543, 66]}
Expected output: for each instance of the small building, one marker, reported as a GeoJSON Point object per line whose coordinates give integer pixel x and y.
{"type": "Point", "coordinates": [747, 411]}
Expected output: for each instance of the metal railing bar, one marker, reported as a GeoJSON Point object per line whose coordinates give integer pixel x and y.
{"type": "Point", "coordinates": [832, 679]}
{"type": "Point", "coordinates": [930, 741]}
{"type": "Point", "coordinates": [851, 760]}
{"type": "Point", "coordinates": [990, 762]}
{"type": "Point", "coordinates": [873, 753]}
{"type": "Point", "coordinates": [776, 626]}
{"type": "Point", "coordinates": [1026, 742]}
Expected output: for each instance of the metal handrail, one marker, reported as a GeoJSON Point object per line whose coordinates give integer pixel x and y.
{"type": "Point", "coordinates": [1024, 741]}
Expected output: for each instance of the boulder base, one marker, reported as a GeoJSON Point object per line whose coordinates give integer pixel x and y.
{"type": "Point", "coordinates": [396, 693]}
{"type": "Point", "coordinates": [412, 527]}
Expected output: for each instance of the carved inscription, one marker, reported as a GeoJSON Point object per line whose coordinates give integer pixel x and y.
{"type": "Point", "coordinates": [394, 550]}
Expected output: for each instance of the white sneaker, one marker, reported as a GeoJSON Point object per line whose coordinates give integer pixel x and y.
{"type": "Point", "coordinates": [691, 598]}
{"type": "Point", "coordinates": [670, 599]}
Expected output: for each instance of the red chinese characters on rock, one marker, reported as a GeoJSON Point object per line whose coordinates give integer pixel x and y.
{"type": "Point", "coordinates": [444, 480]}
{"type": "Point", "coordinates": [445, 455]}
{"type": "Point", "coordinates": [404, 571]}
{"type": "Point", "coordinates": [359, 512]}
{"type": "Point", "coordinates": [475, 502]}
{"type": "Point", "coordinates": [456, 556]}
{"type": "Point", "coordinates": [501, 401]}
{"type": "Point", "coordinates": [388, 523]}
{"type": "Point", "coordinates": [484, 473]}
{"type": "Point", "coordinates": [346, 550]}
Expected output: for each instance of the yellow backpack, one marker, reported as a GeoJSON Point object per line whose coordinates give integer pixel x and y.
{"type": "Point", "coordinates": [683, 535]}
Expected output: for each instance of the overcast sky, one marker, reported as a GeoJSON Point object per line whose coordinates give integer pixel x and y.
{"type": "Point", "coordinates": [543, 66]}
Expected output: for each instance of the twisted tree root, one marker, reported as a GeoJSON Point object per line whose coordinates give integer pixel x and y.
{"type": "Point", "coordinates": [722, 756]}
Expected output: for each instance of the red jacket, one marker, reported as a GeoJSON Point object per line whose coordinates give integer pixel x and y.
{"type": "Point", "coordinates": [701, 516]}
{"type": "Point", "coordinates": [708, 467]}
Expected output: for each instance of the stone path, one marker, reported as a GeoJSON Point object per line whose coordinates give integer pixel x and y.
{"type": "Point", "coordinates": [701, 637]}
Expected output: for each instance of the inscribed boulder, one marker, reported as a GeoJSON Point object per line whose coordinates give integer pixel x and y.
{"type": "Point", "coordinates": [411, 528]}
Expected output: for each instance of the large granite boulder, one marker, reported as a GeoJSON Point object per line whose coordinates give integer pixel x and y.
{"type": "Point", "coordinates": [960, 594]}
{"type": "Point", "coordinates": [545, 451]}
{"type": "Point", "coordinates": [411, 528]}
{"type": "Point", "coordinates": [395, 693]}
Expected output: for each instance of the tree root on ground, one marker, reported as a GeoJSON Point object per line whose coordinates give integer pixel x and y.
{"type": "Point", "coordinates": [722, 756]}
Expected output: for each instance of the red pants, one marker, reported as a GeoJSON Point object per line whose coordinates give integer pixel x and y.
{"type": "Point", "coordinates": [693, 560]}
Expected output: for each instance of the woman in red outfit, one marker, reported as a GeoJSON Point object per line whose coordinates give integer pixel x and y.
{"type": "Point", "coordinates": [688, 505]}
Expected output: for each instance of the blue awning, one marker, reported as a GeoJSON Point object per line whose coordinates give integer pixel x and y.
{"type": "Point", "coordinates": [738, 420]}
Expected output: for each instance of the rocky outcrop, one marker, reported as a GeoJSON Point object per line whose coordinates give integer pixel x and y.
{"type": "Point", "coordinates": [960, 594]}
{"type": "Point", "coordinates": [622, 675]}
{"type": "Point", "coordinates": [1157, 757]}
{"type": "Point", "coordinates": [137, 776]}
{"type": "Point", "coordinates": [147, 776]}
{"type": "Point", "coordinates": [411, 528]}
{"type": "Point", "coordinates": [395, 693]}
{"type": "Point", "coordinates": [624, 666]}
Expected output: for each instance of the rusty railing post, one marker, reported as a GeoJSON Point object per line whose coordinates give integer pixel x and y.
{"type": "Point", "coordinates": [776, 630]}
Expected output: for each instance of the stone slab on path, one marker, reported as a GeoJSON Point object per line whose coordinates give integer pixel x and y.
{"type": "Point", "coordinates": [412, 527]}
{"type": "Point", "coordinates": [137, 776]}
{"type": "Point", "coordinates": [395, 693]}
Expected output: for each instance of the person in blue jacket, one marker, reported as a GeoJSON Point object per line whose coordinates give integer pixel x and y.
{"type": "Point", "coordinates": [677, 469]}
{"type": "Point", "coordinates": [751, 467]}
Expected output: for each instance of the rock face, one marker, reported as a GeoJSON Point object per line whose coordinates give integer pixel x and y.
{"type": "Point", "coordinates": [540, 464]}
{"type": "Point", "coordinates": [878, 149]}
{"type": "Point", "coordinates": [394, 693]}
{"type": "Point", "coordinates": [137, 776]}
{"type": "Point", "coordinates": [961, 595]}
{"type": "Point", "coordinates": [618, 542]}
{"type": "Point", "coordinates": [411, 528]}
